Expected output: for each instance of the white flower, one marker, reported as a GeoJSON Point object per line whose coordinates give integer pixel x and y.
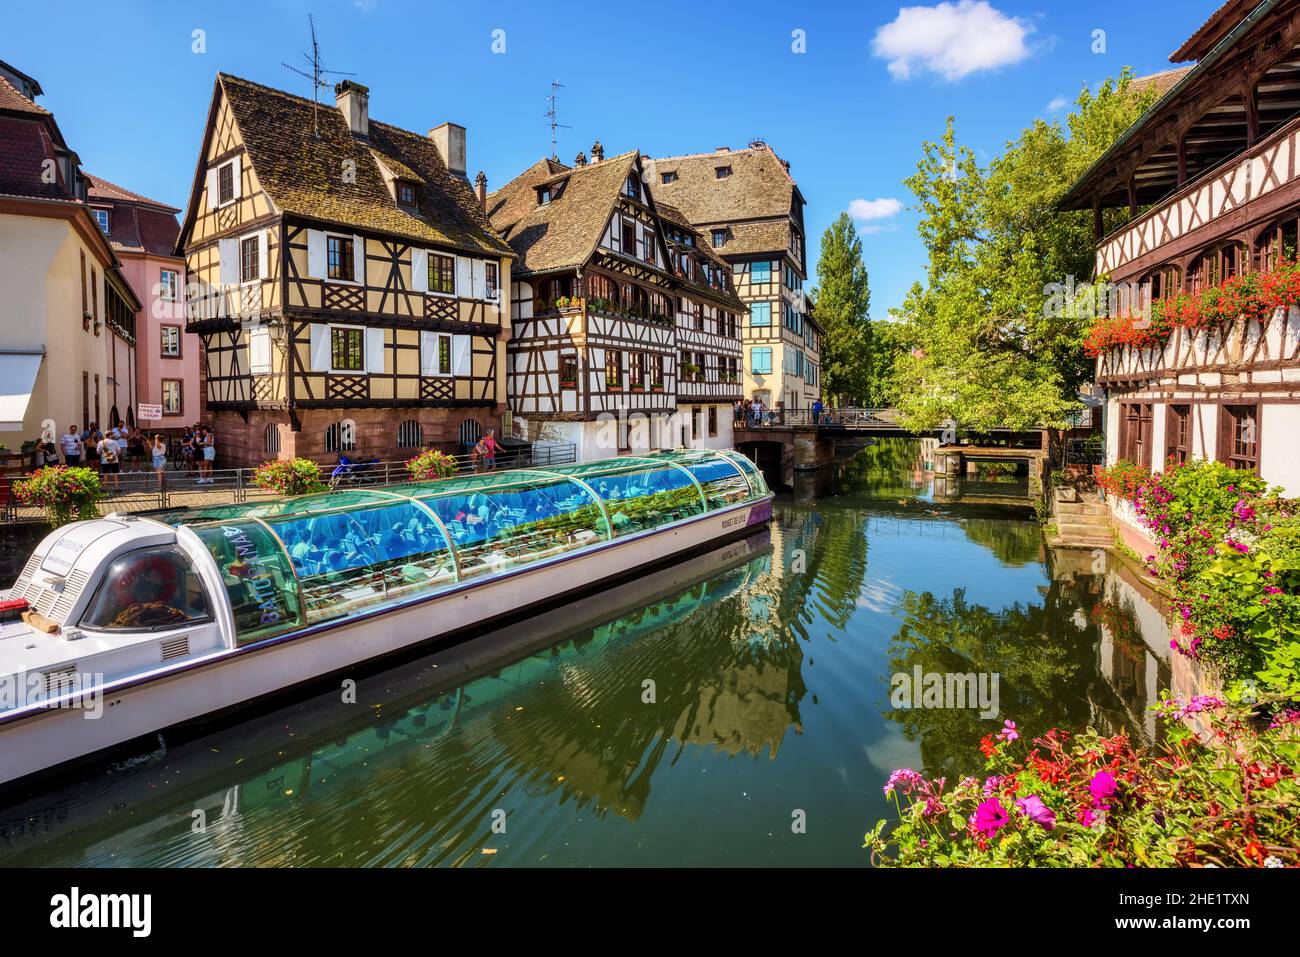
{"type": "Point", "coordinates": [1272, 861]}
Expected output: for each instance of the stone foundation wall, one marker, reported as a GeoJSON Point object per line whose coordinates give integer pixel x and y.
{"type": "Point", "coordinates": [243, 445]}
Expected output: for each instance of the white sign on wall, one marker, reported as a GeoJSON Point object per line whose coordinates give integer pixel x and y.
{"type": "Point", "coordinates": [150, 413]}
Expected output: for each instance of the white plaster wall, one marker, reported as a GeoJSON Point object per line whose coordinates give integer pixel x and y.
{"type": "Point", "coordinates": [1279, 434]}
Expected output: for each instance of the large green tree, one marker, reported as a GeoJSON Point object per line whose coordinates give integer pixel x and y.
{"type": "Point", "coordinates": [843, 304]}
{"type": "Point", "coordinates": [985, 346]}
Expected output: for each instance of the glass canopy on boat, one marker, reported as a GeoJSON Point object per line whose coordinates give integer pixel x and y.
{"type": "Point", "coordinates": [298, 561]}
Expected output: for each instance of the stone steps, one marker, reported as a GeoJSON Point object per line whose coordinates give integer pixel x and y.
{"type": "Point", "coordinates": [1087, 533]}
{"type": "Point", "coordinates": [1083, 508]}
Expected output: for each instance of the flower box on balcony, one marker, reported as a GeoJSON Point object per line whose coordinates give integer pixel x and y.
{"type": "Point", "coordinates": [568, 384]}
{"type": "Point", "coordinates": [610, 387]}
{"type": "Point", "coordinates": [638, 388]}
{"type": "Point", "coordinates": [657, 387]}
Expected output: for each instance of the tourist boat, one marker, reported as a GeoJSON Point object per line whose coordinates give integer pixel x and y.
{"type": "Point", "coordinates": [123, 626]}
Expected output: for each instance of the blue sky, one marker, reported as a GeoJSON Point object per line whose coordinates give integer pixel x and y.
{"type": "Point", "coordinates": [849, 112]}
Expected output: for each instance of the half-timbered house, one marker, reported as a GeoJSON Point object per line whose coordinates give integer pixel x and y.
{"type": "Point", "coordinates": [347, 285]}
{"type": "Point", "coordinates": [750, 209]}
{"type": "Point", "coordinates": [593, 358]}
{"type": "Point", "coordinates": [708, 333]}
{"type": "Point", "coordinates": [1206, 184]}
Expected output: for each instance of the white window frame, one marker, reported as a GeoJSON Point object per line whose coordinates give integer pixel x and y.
{"type": "Point", "coordinates": [260, 236]}
{"type": "Point", "coordinates": [105, 223]}
{"type": "Point", "coordinates": [434, 339]}
{"type": "Point", "coordinates": [329, 349]}
{"type": "Point", "coordinates": [174, 287]}
{"type": "Point", "coordinates": [358, 243]}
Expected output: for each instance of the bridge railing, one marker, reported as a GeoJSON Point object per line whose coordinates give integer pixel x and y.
{"type": "Point", "coordinates": [829, 418]}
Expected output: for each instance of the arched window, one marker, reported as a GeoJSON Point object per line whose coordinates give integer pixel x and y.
{"type": "Point", "coordinates": [410, 435]}
{"type": "Point", "coordinates": [341, 437]}
{"type": "Point", "coordinates": [470, 432]}
{"type": "Point", "coordinates": [271, 439]}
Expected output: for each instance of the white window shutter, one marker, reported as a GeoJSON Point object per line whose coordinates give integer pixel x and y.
{"type": "Point", "coordinates": [480, 279]}
{"type": "Point", "coordinates": [374, 350]}
{"type": "Point", "coordinates": [263, 272]}
{"type": "Point", "coordinates": [359, 259]}
{"type": "Point", "coordinates": [237, 177]}
{"type": "Point", "coordinates": [461, 355]}
{"type": "Point", "coordinates": [212, 188]}
{"type": "Point", "coordinates": [228, 251]}
{"type": "Point", "coordinates": [315, 254]}
{"type": "Point", "coordinates": [464, 277]}
{"type": "Point", "coordinates": [259, 350]}
{"type": "Point", "coordinates": [320, 347]}
{"type": "Point", "coordinates": [420, 270]}
{"type": "Point", "coordinates": [428, 353]}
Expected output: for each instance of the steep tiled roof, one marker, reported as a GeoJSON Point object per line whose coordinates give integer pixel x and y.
{"type": "Point", "coordinates": [512, 202]}
{"type": "Point", "coordinates": [11, 98]}
{"type": "Point", "coordinates": [136, 223]}
{"type": "Point", "coordinates": [303, 175]}
{"type": "Point", "coordinates": [1162, 82]}
{"type": "Point", "coordinates": [758, 187]}
{"type": "Point", "coordinates": [24, 146]}
{"type": "Point", "coordinates": [1220, 22]}
{"type": "Point", "coordinates": [564, 233]}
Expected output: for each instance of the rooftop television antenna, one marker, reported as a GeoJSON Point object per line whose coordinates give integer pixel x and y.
{"type": "Point", "coordinates": [550, 115]}
{"type": "Point", "coordinates": [317, 75]}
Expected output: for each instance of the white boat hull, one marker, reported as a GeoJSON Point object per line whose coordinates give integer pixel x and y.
{"type": "Point", "coordinates": [43, 739]}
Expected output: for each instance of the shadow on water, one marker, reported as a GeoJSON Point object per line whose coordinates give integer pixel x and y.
{"type": "Point", "coordinates": [678, 720]}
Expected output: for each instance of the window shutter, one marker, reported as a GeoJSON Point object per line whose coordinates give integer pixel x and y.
{"type": "Point", "coordinates": [228, 251]}
{"type": "Point", "coordinates": [359, 259]}
{"type": "Point", "coordinates": [461, 357]}
{"type": "Point", "coordinates": [315, 254]}
{"type": "Point", "coordinates": [320, 347]}
{"type": "Point", "coordinates": [428, 353]}
{"type": "Point", "coordinates": [236, 177]}
{"type": "Point", "coordinates": [263, 272]}
{"type": "Point", "coordinates": [374, 351]}
{"type": "Point", "coordinates": [420, 270]}
{"type": "Point", "coordinates": [259, 350]}
{"type": "Point", "coordinates": [480, 279]}
{"type": "Point", "coordinates": [211, 188]}
{"type": "Point", "coordinates": [464, 277]}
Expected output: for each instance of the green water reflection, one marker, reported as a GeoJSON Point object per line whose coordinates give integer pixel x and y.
{"type": "Point", "coordinates": [686, 725]}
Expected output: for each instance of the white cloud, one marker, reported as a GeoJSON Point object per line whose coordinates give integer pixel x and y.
{"type": "Point", "coordinates": [867, 209]}
{"type": "Point", "coordinates": [1058, 103]}
{"type": "Point", "coordinates": [951, 39]}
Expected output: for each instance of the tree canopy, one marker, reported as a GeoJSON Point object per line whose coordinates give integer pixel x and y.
{"type": "Point", "coordinates": [843, 305]}
{"type": "Point", "coordinates": [980, 344]}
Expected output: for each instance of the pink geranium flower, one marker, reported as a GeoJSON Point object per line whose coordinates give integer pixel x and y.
{"type": "Point", "coordinates": [1102, 786]}
{"type": "Point", "coordinates": [990, 817]}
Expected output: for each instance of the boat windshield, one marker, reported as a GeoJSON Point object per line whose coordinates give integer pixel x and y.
{"type": "Point", "coordinates": [312, 558]}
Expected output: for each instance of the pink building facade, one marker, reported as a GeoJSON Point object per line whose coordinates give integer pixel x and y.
{"type": "Point", "coordinates": [166, 359]}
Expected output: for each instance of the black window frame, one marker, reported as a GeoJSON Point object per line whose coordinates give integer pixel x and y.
{"type": "Point", "coordinates": [442, 267]}
{"type": "Point", "coordinates": [340, 259]}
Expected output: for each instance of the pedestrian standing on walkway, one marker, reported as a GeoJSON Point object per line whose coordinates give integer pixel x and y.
{"type": "Point", "coordinates": [90, 444]}
{"type": "Point", "coordinates": [159, 449]}
{"type": "Point", "coordinates": [109, 451]}
{"type": "Point", "coordinates": [817, 411]}
{"type": "Point", "coordinates": [72, 447]}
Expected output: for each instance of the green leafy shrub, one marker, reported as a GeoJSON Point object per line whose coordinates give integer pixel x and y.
{"type": "Point", "coordinates": [291, 477]}
{"type": "Point", "coordinates": [66, 494]}
{"type": "Point", "coordinates": [1093, 801]}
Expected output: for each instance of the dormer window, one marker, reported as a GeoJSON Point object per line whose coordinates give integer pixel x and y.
{"type": "Point", "coordinates": [669, 178]}
{"type": "Point", "coordinates": [721, 172]}
{"type": "Point", "coordinates": [719, 238]}
{"type": "Point", "coordinates": [405, 194]}
{"type": "Point", "coordinates": [101, 217]}
{"type": "Point", "coordinates": [543, 195]}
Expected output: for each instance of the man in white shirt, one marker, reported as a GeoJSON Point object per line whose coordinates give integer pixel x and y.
{"type": "Point", "coordinates": [72, 447]}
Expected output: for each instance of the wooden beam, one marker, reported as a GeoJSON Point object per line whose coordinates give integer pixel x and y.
{"type": "Point", "coordinates": [1098, 228]}
{"type": "Point", "coordinates": [1182, 160]}
{"type": "Point", "coordinates": [1250, 97]}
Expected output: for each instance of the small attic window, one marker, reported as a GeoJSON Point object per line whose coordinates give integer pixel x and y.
{"type": "Point", "coordinates": [544, 195]}
{"type": "Point", "coordinates": [405, 194]}
{"type": "Point", "coordinates": [633, 186]}
{"type": "Point", "coordinates": [669, 178]}
{"type": "Point", "coordinates": [721, 172]}
{"type": "Point", "coordinates": [719, 238]}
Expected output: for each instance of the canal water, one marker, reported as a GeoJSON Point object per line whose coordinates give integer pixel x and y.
{"type": "Point", "coordinates": [732, 710]}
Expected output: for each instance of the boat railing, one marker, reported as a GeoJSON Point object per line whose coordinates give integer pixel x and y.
{"type": "Point", "coordinates": [139, 491]}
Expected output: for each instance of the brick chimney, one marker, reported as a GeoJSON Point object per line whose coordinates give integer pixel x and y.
{"type": "Point", "coordinates": [449, 138]}
{"type": "Point", "coordinates": [597, 152]}
{"type": "Point", "coordinates": [353, 101]}
{"type": "Point", "coordinates": [480, 189]}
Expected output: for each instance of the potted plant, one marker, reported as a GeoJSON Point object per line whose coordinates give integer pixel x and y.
{"type": "Point", "coordinates": [291, 477]}
{"type": "Point", "coordinates": [568, 383]}
{"type": "Point", "coordinates": [562, 302]}
{"type": "Point", "coordinates": [613, 385]}
{"type": "Point", "coordinates": [66, 494]}
{"type": "Point", "coordinates": [638, 387]}
{"type": "Point", "coordinates": [657, 386]}
{"type": "Point", "coordinates": [432, 464]}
